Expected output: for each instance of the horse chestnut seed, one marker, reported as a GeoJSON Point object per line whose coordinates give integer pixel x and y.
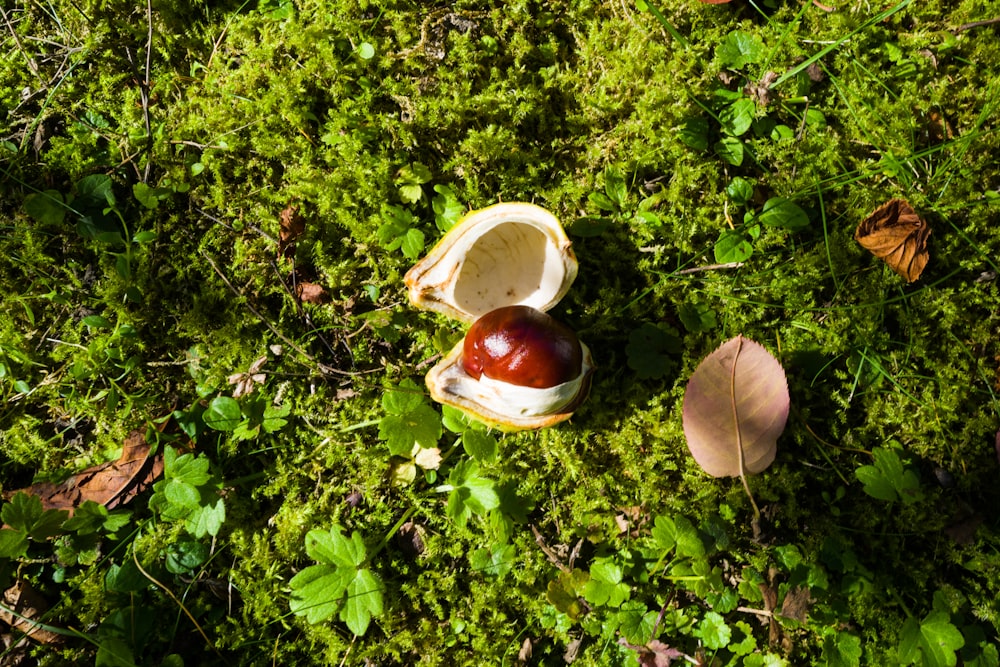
{"type": "Point", "coordinates": [523, 346]}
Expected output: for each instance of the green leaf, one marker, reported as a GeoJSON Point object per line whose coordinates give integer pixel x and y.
{"type": "Point", "coordinates": [480, 445]}
{"type": "Point", "coordinates": [680, 533]}
{"type": "Point", "coordinates": [410, 420]}
{"type": "Point", "coordinates": [737, 117]}
{"type": "Point", "coordinates": [150, 197]}
{"type": "Point", "coordinates": [21, 512]}
{"type": "Point", "coordinates": [605, 587]}
{"type": "Point", "coordinates": [47, 207]}
{"type": "Point", "coordinates": [739, 191]}
{"type": "Point", "coordinates": [207, 518]}
{"type": "Point", "coordinates": [447, 208]}
{"type": "Point", "coordinates": [731, 150]}
{"type": "Point", "coordinates": [781, 212]}
{"type": "Point", "coordinates": [470, 493]}
{"type": "Point", "coordinates": [697, 317]}
{"type": "Point", "coordinates": [125, 578]}
{"type": "Point", "coordinates": [318, 591]}
{"type": "Point", "coordinates": [222, 414]}
{"type": "Point", "coordinates": [713, 631]}
{"type": "Point", "coordinates": [651, 349]}
{"type": "Point", "coordinates": [413, 244]}
{"type": "Point", "coordinates": [363, 601]}
{"type": "Point", "coordinates": [13, 543]}
{"type": "Point", "coordinates": [181, 494]}
{"type": "Point", "coordinates": [495, 562]}
{"type": "Point", "coordinates": [739, 49]}
{"type": "Point", "coordinates": [842, 649]}
{"type": "Point", "coordinates": [96, 189]}
{"type": "Point", "coordinates": [887, 479]}
{"type": "Point", "coordinates": [97, 322]}
{"type": "Point", "coordinates": [934, 639]}
{"type": "Point", "coordinates": [636, 623]}
{"type": "Point", "coordinates": [186, 468]}
{"type": "Point", "coordinates": [615, 186]}
{"type": "Point", "coordinates": [694, 133]}
{"type": "Point", "coordinates": [113, 652]}
{"type": "Point", "coordinates": [333, 548]}
{"type": "Point", "coordinates": [366, 51]}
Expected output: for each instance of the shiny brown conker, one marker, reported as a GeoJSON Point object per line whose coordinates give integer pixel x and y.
{"type": "Point", "coordinates": [523, 346]}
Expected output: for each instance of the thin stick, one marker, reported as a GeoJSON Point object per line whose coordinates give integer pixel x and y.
{"type": "Point", "coordinates": [32, 65]}
{"type": "Point", "coordinates": [975, 24]}
{"type": "Point", "coordinates": [144, 92]}
{"type": "Point", "coordinates": [180, 604]}
{"type": "Point", "coordinates": [710, 267]}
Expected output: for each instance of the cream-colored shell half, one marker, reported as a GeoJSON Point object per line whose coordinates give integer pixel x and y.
{"type": "Point", "coordinates": [505, 406]}
{"type": "Point", "coordinates": [502, 255]}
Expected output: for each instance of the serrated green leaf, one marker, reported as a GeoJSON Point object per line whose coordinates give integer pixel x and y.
{"type": "Point", "coordinates": [421, 426]}
{"type": "Point", "coordinates": [842, 649]}
{"type": "Point", "coordinates": [13, 543]}
{"type": "Point", "coordinates": [636, 623]}
{"type": "Point", "coordinates": [207, 518]}
{"type": "Point", "coordinates": [713, 631]}
{"type": "Point", "coordinates": [181, 494]}
{"type": "Point", "coordinates": [413, 244]}
{"type": "Point", "coordinates": [495, 562]}
{"type": "Point", "coordinates": [318, 591]}
{"type": "Point", "coordinates": [333, 547]}
{"type": "Point", "coordinates": [480, 445]}
{"type": "Point", "coordinates": [697, 317]}
{"type": "Point", "coordinates": [21, 511]}
{"type": "Point", "coordinates": [187, 468]}
{"type": "Point", "coordinates": [680, 534]}
{"type": "Point", "coordinates": [363, 601]}
{"type": "Point", "coordinates": [739, 49]}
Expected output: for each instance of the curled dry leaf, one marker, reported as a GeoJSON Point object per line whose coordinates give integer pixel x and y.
{"type": "Point", "coordinates": [898, 236]}
{"type": "Point", "coordinates": [293, 226]}
{"type": "Point", "coordinates": [735, 407]}
{"type": "Point", "coordinates": [22, 609]}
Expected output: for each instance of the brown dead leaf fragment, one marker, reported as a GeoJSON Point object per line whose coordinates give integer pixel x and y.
{"type": "Point", "coordinates": [312, 293]}
{"type": "Point", "coordinates": [28, 606]}
{"type": "Point", "coordinates": [898, 236]}
{"type": "Point", "coordinates": [293, 226]}
{"type": "Point", "coordinates": [110, 484]}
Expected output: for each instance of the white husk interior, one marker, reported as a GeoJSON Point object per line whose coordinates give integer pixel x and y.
{"type": "Point", "coordinates": [507, 254]}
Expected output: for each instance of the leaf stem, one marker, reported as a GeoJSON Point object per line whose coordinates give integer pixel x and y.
{"type": "Point", "coordinates": [739, 438]}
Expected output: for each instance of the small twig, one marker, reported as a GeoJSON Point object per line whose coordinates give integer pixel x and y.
{"type": "Point", "coordinates": [975, 24]}
{"type": "Point", "coordinates": [710, 267]}
{"type": "Point", "coordinates": [757, 612]}
{"type": "Point", "coordinates": [32, 65]}
{"type": "Point", "coordinates": [553, 558]}
{"type": "Point", "coordinates": [145, 89]}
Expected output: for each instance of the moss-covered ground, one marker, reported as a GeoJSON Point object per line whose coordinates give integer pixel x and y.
{"type": "Point", "coordinates": [150, 153]}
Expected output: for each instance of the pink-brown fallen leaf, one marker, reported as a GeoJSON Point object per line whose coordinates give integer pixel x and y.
{"type": "Point", "coordinates": [110, 484]}
{"type": "Point", "coordinates": [898, 236]}
{"type": "Point", "coordinates": [735, 407]}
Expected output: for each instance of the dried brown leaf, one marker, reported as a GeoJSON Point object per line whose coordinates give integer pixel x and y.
{"type": "Point", "coordinates": [28, 607]}
{"type": "Point", "coordinates": [796, 604]}
{"type": "Point", "coordinates": [312, 293]}
{"type": "Point", "coordinates": [110, 484]}
{"type": "Point", "coordinates": [898, 236]}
